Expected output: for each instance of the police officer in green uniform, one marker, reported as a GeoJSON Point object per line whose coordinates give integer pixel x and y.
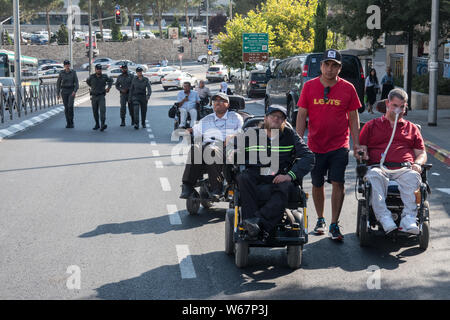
{"type": "Point", "coordinates": [123, 84]}
{"type": "Point", "coordinates": [67, 87]}
{"type": "Point", "coordinates": [140, 92]}
{"type": "Point", "coordinates": [97, 82]}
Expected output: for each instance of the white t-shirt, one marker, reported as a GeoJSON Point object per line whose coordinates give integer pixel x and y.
{"type": "Point", "coordinates": [192, 100]}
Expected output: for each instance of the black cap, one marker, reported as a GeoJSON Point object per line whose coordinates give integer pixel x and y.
{"type": "Point", "coordinates": [276, 107]}
{"type": "Point", "coordinates": [66, 62]}
{"type": "Point", "coordinates": [333, 55]}
{"type": "Point", "coordinates": [139, 69]}
{"type": "Point", "coordinates": [123, 66]}
{"type": "Point", "coordinates": [98, 66]}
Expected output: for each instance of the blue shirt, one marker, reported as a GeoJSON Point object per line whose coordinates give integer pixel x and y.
{"type": "Point", "coordinates": [192, 100]}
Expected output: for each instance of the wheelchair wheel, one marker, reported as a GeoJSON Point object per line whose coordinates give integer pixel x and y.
{"type": "Point", "coordinates": [229, 232]}
{"type": "Point", "coordinates": [361, 203]}
{"type": "Point", "coordinates": [294, 256]}
{"type": "Point", "coordinates": [424, 236]}
{"type": "Point", "coordinates": [193, 203]}
{"type": "Point", "coordinates": [203, 198]}
{"type": "Point", "coordinates": [363, 232]}
{"type": "Point", "coordinates": [241, 256]}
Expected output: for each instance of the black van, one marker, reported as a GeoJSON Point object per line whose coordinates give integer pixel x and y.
{"type": "Point", "coordinates": [290, 74]}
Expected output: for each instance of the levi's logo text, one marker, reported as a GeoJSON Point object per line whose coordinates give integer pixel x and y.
{"type": "Point", "coordinates": [331, 102]}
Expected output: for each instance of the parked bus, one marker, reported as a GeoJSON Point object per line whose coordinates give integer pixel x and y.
{"type": "Point", "coordinates": [29, 67]}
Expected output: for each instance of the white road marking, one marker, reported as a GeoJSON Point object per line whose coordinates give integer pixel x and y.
{"type": "Point", "coordinates": [165, 184]}
{"type": "Point", "coordinates": [155, 153]}
{"type": "Point", "coordinates": [159, 164]}
{"type": "Point", "coordinates": [151, 136]}
{"type": "Point", "coordinates": [153, 143]}
{"type": "Point", "coordinates": [435, 174]}
{"type": "Point", "coordinates": [444, 190]}
{"type": "Point", "coordinates": [174, 217]}
{"type": "Point", "coordinates": [185, 261]}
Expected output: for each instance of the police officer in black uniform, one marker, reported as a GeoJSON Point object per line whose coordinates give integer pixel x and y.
{"type": "Point", "coordinates": [140, 92]}
{"type": "Point", "coordinates": [67, 87]}
{"type": "Point", "coordinates": [123, 84]}
{"type": "Point", "coordinates": [98, 82]}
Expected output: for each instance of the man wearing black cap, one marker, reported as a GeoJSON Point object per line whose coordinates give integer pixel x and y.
{"type": "Point", "coordinates": [295, 160]}
{"type": "Point", "coordinates": [98, 81]}
{"type": "Point", "coordinates": [66, 87]}
{"type": "Point", "coordinates": [331, 103]}
{"type": "Point", "coordinates": [123, 84]}
{"type": "Point", "coordinates": [140, 92]}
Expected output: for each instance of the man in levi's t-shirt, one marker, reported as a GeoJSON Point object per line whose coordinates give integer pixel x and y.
{"type": "Point", "coordinates": [332, 104]}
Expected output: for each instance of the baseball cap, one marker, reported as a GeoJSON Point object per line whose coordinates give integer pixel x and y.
{"type": "Point", "coordinates": [333, 55]}
{"type": "Point", "coordinates": [139, 69]}
{"type": "Point", "coordinates": [98, 66]}
{"type": "Point", "coordinates": [276, 107]}
{"type": "Point", "coordinates": [66, 62]}
{"type": "Point", "coordinates": [221, 95]}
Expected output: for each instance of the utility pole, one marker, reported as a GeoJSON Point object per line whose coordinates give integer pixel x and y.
{"type": "Point", "coordinates": [17, 67]}
{"type": "Point", "coordinates": [207, 28]}
{"type": "Point", "coordinates": [231, 9]}
{"type": "Point", "coordinates": [70, 27]}
{"type": "Point", "coordinates": [433, 67]}
{"type": "Point", "coordinates": [90, 37]}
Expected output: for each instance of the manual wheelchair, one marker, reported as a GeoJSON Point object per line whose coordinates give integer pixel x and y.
{"type": "Point", "coordinates": [367, 224]}
{"type": "Point", "coordinates": [290, 232]}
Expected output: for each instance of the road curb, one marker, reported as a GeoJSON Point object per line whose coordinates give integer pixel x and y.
{"type": "Point", "coordinates": [22, 126]}
{"type": "Point", "coordinates": [438, 152]}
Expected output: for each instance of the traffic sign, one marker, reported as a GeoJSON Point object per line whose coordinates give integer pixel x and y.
{"type": "Point", "coordinates": [255, 47]}
{"type": "Point", "coordinates": [209, 47]}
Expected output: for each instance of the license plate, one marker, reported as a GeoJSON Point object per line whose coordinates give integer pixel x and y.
{"type": "Point", "coordinates": [262, 85]}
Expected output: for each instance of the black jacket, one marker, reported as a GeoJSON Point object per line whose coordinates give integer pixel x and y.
{"type": "Point", "coordinates": [98, 84]}
{"type": "Point", "coordinates": [295, 158]}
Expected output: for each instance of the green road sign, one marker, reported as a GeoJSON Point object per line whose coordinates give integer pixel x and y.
{"type": "Point", "coordinates": [255, 42]}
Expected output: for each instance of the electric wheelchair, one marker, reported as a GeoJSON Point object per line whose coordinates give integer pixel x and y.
{"type": "Point", "coordinates": [290, 232]}
{"type": "Point", "coordinates": [203, 195]}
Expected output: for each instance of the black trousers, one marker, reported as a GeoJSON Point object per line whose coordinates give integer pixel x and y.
{"type": "Point", "coordinates": [139, 101]}
{"type": "Point", "coordinates": [123, 107]}
{"type": "Point", "coordinates": [194, 171]}
{"type": "Point", "coordinates": [68, 100]}
{"type": "Point", "coordinates": [256, 189]}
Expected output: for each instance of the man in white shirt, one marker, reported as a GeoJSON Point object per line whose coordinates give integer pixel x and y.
{"type": "Point", "coordinates": [213, 130]}
{"type": "Point", "coordinates": [203, 92]}
{"type": "Point", "coordinates": [187, 100]}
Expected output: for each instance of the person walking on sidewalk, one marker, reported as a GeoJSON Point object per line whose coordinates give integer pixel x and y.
{"type": "Point", "coordinates": [123, 84]}
{"type": "Point", "coordinates": [140, 92]}
{"type": "Point", "coordinates": [371, 88]}
{"type": "Point", "coordinates": [67, 87]}
{"type": "Point", "coordinates": [387, 83]}
{"type": "Point", "coordinates": [97, 82]}
{"type": "Point", "coordinates": [332, 104]}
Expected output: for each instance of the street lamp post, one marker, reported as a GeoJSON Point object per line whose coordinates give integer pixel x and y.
{"type": "Point", "coordinates": [433, 67]}
{"type": "Point", "coordinates": [17, 69]}
{"type": "Point", "coordinates": [90, 37]}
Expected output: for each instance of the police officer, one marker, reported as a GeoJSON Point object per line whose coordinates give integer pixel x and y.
{"type": "Point", "coordinates": [98, 82]}
{"type": "Point", "coordinates": [67, 86]}
{"type": "Point", "coordinates": [140, 92]}
{"type": "Point", "coordinates": [123, 84]}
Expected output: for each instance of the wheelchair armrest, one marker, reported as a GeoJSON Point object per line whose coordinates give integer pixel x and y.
{"type": "Point", "coordinates": [427, 166]}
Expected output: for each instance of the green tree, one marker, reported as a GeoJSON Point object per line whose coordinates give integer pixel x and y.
{"type": "Point", "coordinates": [115, 33]}
{"type": "Point", "coordinates": [47, 6]}
{"type": "Point", "coordinates": [320, 27]}
{"type": "Point", "coordinates": [62, 35]}
{"type": "Point", "coordinates": [242, 7]}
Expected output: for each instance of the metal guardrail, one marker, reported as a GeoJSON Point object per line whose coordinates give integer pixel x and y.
{"type": "Point", "coordinates": [33, 98]}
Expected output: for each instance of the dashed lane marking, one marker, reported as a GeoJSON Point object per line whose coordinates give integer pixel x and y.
{"type": "Point", "coordinates": [174, 217]}
{"type": "Point", "coordinates": [165, 184]}
{"type": "Point", "coordinates": [185, 262]}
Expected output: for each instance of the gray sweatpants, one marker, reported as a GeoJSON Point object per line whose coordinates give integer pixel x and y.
{"type": "Point", "coordinates": [99, 104]}
{"type": "Point", "coordinates": [408, 182]}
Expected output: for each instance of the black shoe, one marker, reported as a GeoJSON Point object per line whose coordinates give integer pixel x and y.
{"type": "Point", "coordinates": [144, 126]}
{"type": "Point", "coordinates": [182, 127]}
{"type": "Point", "coordinates": [186, 191]}
{"type": "Point", "coordinates": [104, 126]}
{"type": "Point", "coordinates": [71, 126]}
{"type": "Point", "coordinates": [252, 226]}
{"type": "Point", "coordinates": [122, 124]}
{"type": "Point", "coordinates": [216, 194]}
{"type": "Point", "coordinates": [96, 127]}
{"type": "Point", "coordinates": [136, 126]}
{"type": "Point", "coordinates": [67, 126]}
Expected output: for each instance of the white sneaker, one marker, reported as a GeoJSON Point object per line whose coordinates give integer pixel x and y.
{"type": "Point", "coordinates": [409, 224]}
{"type": "Point", "coordinates": [388, 224]}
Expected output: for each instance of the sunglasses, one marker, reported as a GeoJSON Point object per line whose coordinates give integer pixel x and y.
{"type": "Point", "coordinates": [326, 91]}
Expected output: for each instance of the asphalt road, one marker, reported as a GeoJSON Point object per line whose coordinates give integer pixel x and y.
{"type": "Point", "coordinates": [96, 215]}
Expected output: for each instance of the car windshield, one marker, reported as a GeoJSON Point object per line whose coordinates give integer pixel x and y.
{"type": "Point", "coordinates": [153, 70]}
{"type": "Point", "coordinates": [214, 69]}
{"type": "Point", "coordinates": [258, 76]}
{"type": "Point", "coordinates": [7, 82]}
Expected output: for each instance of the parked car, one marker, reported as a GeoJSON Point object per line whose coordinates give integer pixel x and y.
{"type": "Point", "coordinates": [176, 80]}
{"type": "Point", "coordinates": [290, 74]}
{"type": "Point", "coordinates": [105, 62]}
{"type": "Point", "coordinates": [214, 57]}
{"type": "Point", "coordinates": [257, 83]}
{"type": "Point", "coordinates": [217, 72]}
{"type": "Point", "coordinates": [114, 73]}
{"type": "Point", "coordinates": [131, 65]}
{"type": "Point", "coordinates": [239, 73]}
{"type": "Point", "coordinates": [49, 66]}
{"type": "Point", "coordinates": [156, 74]}
{"type": "Point", "coordinates": [46, 61]}
{"type": "Point", "coordinates": [146, 34]}
{"type": "Point", "coordinates": [38, 39]}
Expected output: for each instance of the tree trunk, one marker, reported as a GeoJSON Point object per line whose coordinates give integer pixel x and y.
{"type": "Point", "coordinates": [47, 14]}
{"type": "Point", "coordinates": [132, 25]}
{"type": "Point", "coordinates": [100, 23]}
{"type": "Point", "coordinates": [187, 16]}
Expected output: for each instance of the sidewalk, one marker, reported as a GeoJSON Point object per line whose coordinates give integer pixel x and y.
{"type": "Point", "coordinates": [437, 139]}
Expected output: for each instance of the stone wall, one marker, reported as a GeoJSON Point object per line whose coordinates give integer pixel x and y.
{"type": "Point", "coordinates": [150, 50]}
